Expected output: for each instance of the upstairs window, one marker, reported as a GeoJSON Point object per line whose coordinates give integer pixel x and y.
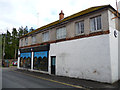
{"type": "Point", "coordinates": [45, 37]}
{"type": "Point", "coordinates": [21, 42]}
{"type": "Point", "coordinates": [79, 27]}
{"type": "Point", "coordinates": [95, 23]}
{"type": "Point", "coordinates": [26, 41]}
{"type": "Point", "coordinates": [33, 39]}
{"type": "Point", "coordinates": [61, 33]}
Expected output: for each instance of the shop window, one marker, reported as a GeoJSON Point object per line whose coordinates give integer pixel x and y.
{"type": "Point", "coordinates": [41, 61]}
{"type": "Point", "coordinates": [25, 60]}
{"type": "Point", "coordinates": [21, 62]}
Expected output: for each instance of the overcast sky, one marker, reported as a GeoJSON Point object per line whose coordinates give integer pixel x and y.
{"type": "Point", "coordinates": [36, 13]}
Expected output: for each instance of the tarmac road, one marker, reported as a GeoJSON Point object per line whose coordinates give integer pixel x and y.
{"type": "Point", "coordinates": [12, 79]}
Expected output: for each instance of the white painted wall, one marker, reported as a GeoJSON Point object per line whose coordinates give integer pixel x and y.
{"type": "Point", "coordinates": [119, 54]}
{"type": "Point", "coordinates": [114, 54]}
{"type": "Point", "coordinates": [18, 62]}
{"type": "Point", "coordinates": [87, 58]}
{"type": "Point", "coordinates": [113, 47]}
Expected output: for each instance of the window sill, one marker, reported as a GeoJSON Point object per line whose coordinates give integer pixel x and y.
{"type": "Point", "coordinates": [96, 31]}
{"type": "Point", "coordinates": [79, 34]}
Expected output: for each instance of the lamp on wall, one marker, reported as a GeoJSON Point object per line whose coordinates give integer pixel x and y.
{"type": "Point", "coordinates": [31, 50]}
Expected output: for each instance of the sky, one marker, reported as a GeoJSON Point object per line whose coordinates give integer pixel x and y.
{"type": "Point", "coordinates": [37, 13]}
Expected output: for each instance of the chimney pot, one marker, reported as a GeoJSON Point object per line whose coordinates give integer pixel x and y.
{"type": "Point", "coordinates": [61, 15]}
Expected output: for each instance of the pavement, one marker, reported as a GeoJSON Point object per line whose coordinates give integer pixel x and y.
{"type": "Point", "coordinates": [66, 82]}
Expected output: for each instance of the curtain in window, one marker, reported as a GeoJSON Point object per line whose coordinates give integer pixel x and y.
{"type": "Point", "coordinates": [46, 36]}
{"type": "Point", "coordinates": [80, 27]}
{"type": "Point", "coordinates": [95, 23]}
{"type": "Point", "coordinates": [61, 33]}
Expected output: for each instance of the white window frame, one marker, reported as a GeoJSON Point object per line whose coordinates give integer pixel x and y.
{"type": "Point", "coordinates": [79, 27]}
{"type": "Point", "coordinates": [33, 39]}
{"type": "Point", "coordinates": [96, 23]}
{"type": "Point", "coordinates": [45, 36]}
{"type": "Point", "coordinates": [21, 42]}
{"type": "Point", "coordinates": [61, 33]}
{"type": "Point", "coordinates": [26, 41]}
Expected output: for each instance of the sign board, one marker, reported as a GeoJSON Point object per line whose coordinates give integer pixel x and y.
{"type": "Point", "coordinates": [23, 55]}
{"type": "Point", "coordinates": [41, 54]}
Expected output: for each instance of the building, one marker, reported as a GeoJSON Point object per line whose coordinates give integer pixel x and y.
{"type": "Point", "coordinates": [83, 45]}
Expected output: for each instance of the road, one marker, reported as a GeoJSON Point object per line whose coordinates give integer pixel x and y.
{"type": "Point", "coordinates": [13, 79]}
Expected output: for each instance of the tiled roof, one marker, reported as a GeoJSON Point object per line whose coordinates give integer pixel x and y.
{"type": "Point", "coordinates": [89, 10]}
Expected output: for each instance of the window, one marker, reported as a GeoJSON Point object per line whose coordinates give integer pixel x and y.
{"type": "Point", "coordinates": [21, 42]}
{"type": "Point", "coordinates": [95, 23]}
{"type": "Point", "coordinates": [45, 36]}
{"type": "Point", "coordinates": [79, 27]}
{"type": "Point", "coordinates": [26, 41]}
{"type": "Point", "coordinates": [33, 39]}
{"type": "Point", "coordinates": [61, 33]}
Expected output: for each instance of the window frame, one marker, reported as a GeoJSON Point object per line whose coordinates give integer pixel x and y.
{"type": "Point", "coordinates": [48, 38]}
{"type": "Point", "coordinates": [96, 24]}
{"type": "Point", "coordinates": [58, 33]}
{"type": "Point", "coordinates": [80, 28]}
{"type": "Point", "coordinates": [26, 41]}
{"type": "Point", "coordinates": [34, 42]}
{"type": "Point", "coordinates": [21, 42]}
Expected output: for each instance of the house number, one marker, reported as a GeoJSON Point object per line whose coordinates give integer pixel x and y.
{"type": "Point", "coordinates": [115, 34]}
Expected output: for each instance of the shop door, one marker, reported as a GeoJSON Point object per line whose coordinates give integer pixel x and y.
{"type": "Point", "coordinates": [53, 64]}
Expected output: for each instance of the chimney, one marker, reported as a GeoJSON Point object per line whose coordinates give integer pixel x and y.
{"type": "Point", "coordinates": [61, 15]}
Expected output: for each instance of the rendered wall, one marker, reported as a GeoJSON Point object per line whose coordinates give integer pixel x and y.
{"type": "Point", "coordinates": [119, 54]}
{"type": "Point", "coordinates": [113, 46]}
{"type": "Point", "coordinates": [87, 58]}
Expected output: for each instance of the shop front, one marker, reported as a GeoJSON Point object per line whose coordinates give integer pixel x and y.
{"type": "Point", "coordinates": [25, 60]}
{"type": "Point", "coordinates": [34, 58]}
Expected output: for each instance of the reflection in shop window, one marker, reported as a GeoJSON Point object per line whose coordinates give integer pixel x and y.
{"type": "Point", "coordinates": [41, 61]}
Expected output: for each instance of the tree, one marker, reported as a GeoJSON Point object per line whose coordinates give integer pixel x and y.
{"type": "Point", "coordinates": [25, 30]}
{"type": "Point", "coordinates": [10, 42]}
{"type": "Point", "coordinates": [20, 31]}
{"type": "Point", "coordinates": [31, 29]}
{"type": "Point", "coordinates": [15, 41]}
{"type": "Point", "coordinates": [8, 48]}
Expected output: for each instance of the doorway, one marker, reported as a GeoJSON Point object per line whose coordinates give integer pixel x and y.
{"type": "Point", "coordinates": [53, 64]}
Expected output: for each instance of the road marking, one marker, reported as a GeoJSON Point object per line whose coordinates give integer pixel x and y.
{"type": "Point", "coordinates": [52, 80]}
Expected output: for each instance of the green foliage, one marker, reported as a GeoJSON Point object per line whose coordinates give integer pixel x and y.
{"type": "Point", "coordinates": [10, 41]}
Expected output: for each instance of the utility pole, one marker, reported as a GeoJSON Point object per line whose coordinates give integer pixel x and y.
{"type": "Point", "coordinates": [38, 19]}
{"type": "Point", "coordinates": [4, 47]}
{"type": "Point", "coordinates": [117, 13]}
